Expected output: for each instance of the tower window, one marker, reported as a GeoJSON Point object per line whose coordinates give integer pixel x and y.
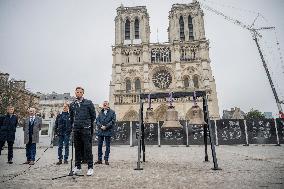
{"type": "Point", "coordinates": [195, 82]}
{"type": "Point", "coordinates": [186, 82]}
{"type": "Point", "coordinates": [137, 85]}
{"type": "Point", "coordinates": [127, 29]}
{"type": "Point", "coordinates": [136, 27]}
{"type": "Point", "coordinates": [128, 85]}
{"type": "Point", "coordinates": [181, 28]}
{"type": "Point", "coordinates": [190, 28]}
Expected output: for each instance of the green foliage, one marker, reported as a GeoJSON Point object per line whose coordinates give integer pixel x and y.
{"type": "Point", "coordinates": [254, 114]}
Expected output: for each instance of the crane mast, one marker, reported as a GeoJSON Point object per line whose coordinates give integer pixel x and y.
{"type": "Point", "coordinates": [255, 35]}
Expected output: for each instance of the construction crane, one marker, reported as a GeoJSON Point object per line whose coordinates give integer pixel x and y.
{"type": "Point", "coordinates": [255, 35]}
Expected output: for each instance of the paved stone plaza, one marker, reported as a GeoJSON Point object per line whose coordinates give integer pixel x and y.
{"type": "Point", "coordinates": [166, 167]}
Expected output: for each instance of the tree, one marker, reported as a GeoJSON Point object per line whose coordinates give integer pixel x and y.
{"type": "Point", "coordinates": [254, 114]}
{"type": "Point", "coordinates": [12, 93]}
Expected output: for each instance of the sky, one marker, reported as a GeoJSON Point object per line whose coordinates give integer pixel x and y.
{"type": "Point", "coordinates": [56, 45]}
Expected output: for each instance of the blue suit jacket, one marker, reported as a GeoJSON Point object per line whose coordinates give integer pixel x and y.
{"type": "Point", "coordinates": [107, 120]}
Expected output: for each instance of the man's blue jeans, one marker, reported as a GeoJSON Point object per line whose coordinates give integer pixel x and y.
{"type": "Point", "coordinates": [100, 147]}
{"type": "Point", "coordinates": [30, 151]}
{"type": "Point", "coordinates": [63, 140]}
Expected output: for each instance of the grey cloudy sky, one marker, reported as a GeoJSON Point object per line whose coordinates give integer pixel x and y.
{"type": "Point", "coordinates": [56, 45]}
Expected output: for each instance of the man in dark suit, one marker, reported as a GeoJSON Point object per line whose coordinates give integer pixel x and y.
{"type": "Point", "coordinates": [7, 131]}
{"type": "Point", "coordinates": [105, 123]}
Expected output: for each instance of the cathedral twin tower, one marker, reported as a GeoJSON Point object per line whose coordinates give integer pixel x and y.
{"type": "Point", "coordinates": [181, 64]}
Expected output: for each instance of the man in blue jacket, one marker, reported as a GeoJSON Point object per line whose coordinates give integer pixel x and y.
{"type": "Point", "coordinates": [7, 131]}
{"type": "Point", "coordinates": [63, 130]}
{"type": "Point", "coordinates": [105, 123]}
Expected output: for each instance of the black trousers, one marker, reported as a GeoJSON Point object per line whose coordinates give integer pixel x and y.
{"type": "Point", "coordinates": [10, 148]}
{"type": "Point", "coordinates": [83, 140]}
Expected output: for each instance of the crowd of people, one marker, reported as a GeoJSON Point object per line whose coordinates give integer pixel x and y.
{"type": "Point", "coordinates": [75, 123]}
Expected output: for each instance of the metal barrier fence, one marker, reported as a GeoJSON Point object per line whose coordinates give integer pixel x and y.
{"type": "Point", "coordinates": [225, 132]}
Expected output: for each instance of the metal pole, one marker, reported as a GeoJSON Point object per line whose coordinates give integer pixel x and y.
{"type": "Point", "coordinates": [216, 133]}
{"type": "Point", "coordinates": [139, 135]}
{"type": "Point", "coordinates": [276, 129]}
{"type": "Point", "coordinates": [267, 73]}
{"type": "Point", "coordinates": [211, 137]}
{"type": "Point", "coordinates": [159, 135]}
{"type": "Point", "coordinates": [205, 130]}
{"type": "Point", "coordinates": [143, 138]}
{"type": "Point", "coordinates": [131, 134]}
{"type": "Point", "coordinates": [186, 129]}
{"type": "Point", "coordinates": [246, 133]}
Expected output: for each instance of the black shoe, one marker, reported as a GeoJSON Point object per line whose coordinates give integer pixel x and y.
{"type": "Point", "coordinates": [59, 162]}
{"type": "Point", "coordinates": [65, 161]}
{"type": "Point", "coordinates": [98, 162]}
{"type": "Point", "coordinates": [106, 162]}
{"type": "Point", "coordinates": [10, 162]}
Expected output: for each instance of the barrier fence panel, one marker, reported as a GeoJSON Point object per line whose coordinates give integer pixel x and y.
{"type": "Point", "coordinates": [261, 131]}
{"type": "Point", "coordinates": [196, 134]}
{"type": "Point", "coordinates": [121, 133]}
{"type": "Point", "coordinates": [173, 136]}
{"type": "Point", "coordinates": [231, 131]}
{"type": "Point", "coordinates": [151, 133]}
{"type": "Point", "coordinates": [280, 127]}
{"type": "Point", "coordinates": [135, 132]}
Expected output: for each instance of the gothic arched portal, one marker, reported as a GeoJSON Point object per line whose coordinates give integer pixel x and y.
{"type": "Point", "coordinates": [131, 115]}
{"type": "Point", "coordinates": [161, 112]}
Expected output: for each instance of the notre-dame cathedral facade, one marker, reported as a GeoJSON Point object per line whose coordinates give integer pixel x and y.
{"type": "Point", "coordinates": [181, 64]}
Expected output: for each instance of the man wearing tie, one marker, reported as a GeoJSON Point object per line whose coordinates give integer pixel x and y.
{"type": "Point", "coordinates": [32, 126]}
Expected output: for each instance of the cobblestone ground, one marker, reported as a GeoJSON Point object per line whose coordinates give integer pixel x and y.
{"type": "Point", "coordinates": [165, 167]}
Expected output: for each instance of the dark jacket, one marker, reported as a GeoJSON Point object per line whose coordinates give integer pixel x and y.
{"type": "Point", "coordinates": [63, 124]}
{"type": "Point", "coordinates": [107, 120]}
{"type": "Point", "coordinates": [82, 114]}
{"type": "Point", "coordinates": [8, 127]}
{"type": "Point", "coordinates": [36, 129]}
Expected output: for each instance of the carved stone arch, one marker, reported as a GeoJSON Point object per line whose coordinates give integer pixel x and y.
{"type": "Point", "coordinates": [189, 70]}
{"type": "Point", "coordinates": [131, 115]}
{"type": "Point", "coordinates": [161, 112]}
{"type": "Point", "coordinates": [125, 18]}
